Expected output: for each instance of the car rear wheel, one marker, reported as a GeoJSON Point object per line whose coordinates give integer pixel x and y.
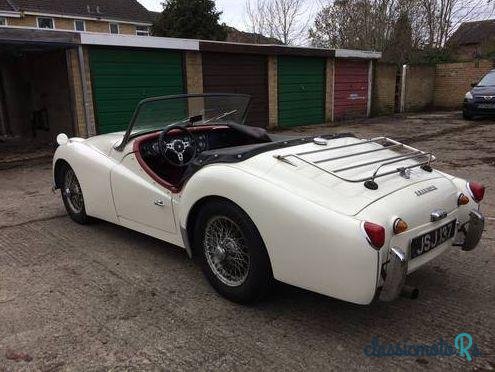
{"type": "Point", "coordinates": [72, 196]}
{"type": "Point", "coordinates": [232, 253]}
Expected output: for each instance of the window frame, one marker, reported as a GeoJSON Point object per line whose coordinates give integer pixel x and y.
{"type": "Point", "coordinates": [83, 23]}
{"type": "Point", "coordinates": [110, 28]}
{"type": "Point", "coordinates": [45, 28]}
{"type": "Point", "coordinates": [143, 33]}
{"type": "Point", "coordinates": [5, 21]}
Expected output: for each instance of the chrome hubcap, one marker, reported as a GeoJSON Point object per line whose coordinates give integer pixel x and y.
{"type": "Point", "coordinates": [72, 191]}
{"type": "Point", "coordinates": [226, 251]}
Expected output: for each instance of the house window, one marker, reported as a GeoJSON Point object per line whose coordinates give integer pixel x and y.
{"type": "Point", "coordinates": [114, 28]}
{"type": "Point", "coordinates": [45, 22]}
{"type": "Point", "coordinates": [142, 31]}
{"type": "Point", "coordinates": [79, 25]}
{"type": "Point", "coordinates": [3, 21]}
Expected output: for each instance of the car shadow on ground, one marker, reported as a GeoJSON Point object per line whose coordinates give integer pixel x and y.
{"type": "Point", "coordinates": [403, 317]}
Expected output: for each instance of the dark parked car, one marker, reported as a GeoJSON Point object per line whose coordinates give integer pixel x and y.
{"type": "Point", "coordinates": [480, 101]}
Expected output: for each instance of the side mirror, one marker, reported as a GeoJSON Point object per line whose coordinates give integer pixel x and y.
{"type": "Point", "coordinates": [474, 84]}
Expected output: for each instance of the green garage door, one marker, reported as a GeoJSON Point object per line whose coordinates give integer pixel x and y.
{"type": "Point", "coordinates": [301, 91]}
{"type": "Point", "coordinates": [122, 78]}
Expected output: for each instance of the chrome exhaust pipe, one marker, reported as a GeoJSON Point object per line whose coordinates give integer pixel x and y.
{"type": "Point", "coordinates": [409, 292]}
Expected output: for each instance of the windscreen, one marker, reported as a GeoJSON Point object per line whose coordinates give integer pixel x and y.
{"type": "Point", "coordinates": [159, 113]}
{"type": "Point", "coordinates": [488, 80]}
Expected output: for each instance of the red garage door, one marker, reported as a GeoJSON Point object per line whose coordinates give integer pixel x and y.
{"type": "Point", "coordinates": [351, 89]}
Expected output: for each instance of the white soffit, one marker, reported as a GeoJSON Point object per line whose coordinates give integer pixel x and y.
{"type": "Point", "coordinates": [88, 38]}
{"type": "Point", "coordinates": [349, 53]}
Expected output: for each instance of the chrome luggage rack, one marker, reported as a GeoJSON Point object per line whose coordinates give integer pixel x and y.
{"type": "Point", "coordinates": [408, 153]}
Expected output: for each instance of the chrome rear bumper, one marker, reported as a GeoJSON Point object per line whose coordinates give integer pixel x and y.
{"type": "Point", "coordinates": [469, 234]}
{"type": "Point", "coordinates": [467, 237]}
{"type": "Point", "coordinates": [396, 275]}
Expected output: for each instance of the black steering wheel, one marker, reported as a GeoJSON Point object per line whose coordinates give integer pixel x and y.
{"type": "Point", "coordinates": [178, 150]}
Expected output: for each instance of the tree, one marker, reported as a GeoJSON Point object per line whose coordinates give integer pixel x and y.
{"type": "Point", "coordinates": [281, 19]}
{"type": "Point", "coordinates": [400, 46]}
{"type": "Point", "coordinates": [354, 24]}
{"type": "Point", "coordinates": [191, 19]}
{"type": "Point", "coordinates": [373, 24]}
{"type": "Point", "coordinates": [442, 17]}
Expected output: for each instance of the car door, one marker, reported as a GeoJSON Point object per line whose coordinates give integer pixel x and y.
{"type": "Point", "coordinates": [140, 202]}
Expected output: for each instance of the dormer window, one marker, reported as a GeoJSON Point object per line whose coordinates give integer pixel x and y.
{"type": "Point", "coordinates": [114, 28]}
{"type": "Point", "coordinates": [45, 22]}
{"type": "Point", "coordinates": [79, 25]}
{"type": "Point", "coordinates": [142, 31]}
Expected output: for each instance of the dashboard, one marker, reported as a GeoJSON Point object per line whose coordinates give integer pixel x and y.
{"type": "Point", "coordinates": [151, 149]}
{"type": "Point", "coordinates": [205, 138]}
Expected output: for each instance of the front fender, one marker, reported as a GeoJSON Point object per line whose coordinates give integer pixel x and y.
{"type": "Point", "coordinates": [92, 169]}
{"type": "Point", "coordinates": [309, 246]}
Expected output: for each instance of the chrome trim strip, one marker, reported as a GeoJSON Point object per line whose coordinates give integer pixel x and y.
{"type": "Point", "coordinates": [343, 146]}
{"type": "Point", "coordinates": [371, 162]}
{"type": "Point", "coordinates": [357, 153]}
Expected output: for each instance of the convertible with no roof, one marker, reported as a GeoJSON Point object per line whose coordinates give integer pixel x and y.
{"type": "Point", "coordinates": [338, 215]}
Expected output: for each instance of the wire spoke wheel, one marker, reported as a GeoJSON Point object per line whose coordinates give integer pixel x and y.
{"type": "Point", "coordinates": [72, 191]}
{"type": "Point", "coordinates": [226, 251]}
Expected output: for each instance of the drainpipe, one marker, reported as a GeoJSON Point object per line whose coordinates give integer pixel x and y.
{"type": "Point", "coordinates": [403, 89]}
{"type": "Point", "coordinates": [370, 84]}
{"type": "Point", "coordinates": [87, 113]}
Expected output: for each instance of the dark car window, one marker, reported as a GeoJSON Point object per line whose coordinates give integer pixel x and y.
{"type": "Point", "coordinates": [488, 80]}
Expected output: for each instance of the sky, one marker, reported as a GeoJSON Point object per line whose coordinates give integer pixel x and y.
{"type": "Point", "coordinates": [233, 10]}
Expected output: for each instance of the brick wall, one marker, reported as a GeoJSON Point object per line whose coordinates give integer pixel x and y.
{"type": "Point", "coordinates": [453, 80]}
{"type": "Point", "coordinates": [75, 84]}
{"type": "Point", "coordinates": [419, 88]}
{"type": "Point", "coordinates": [383, 92]}
{"type": "Point", "coordinates": [272, 92]}
{"type": "Point", "coordinates": [330, 76]}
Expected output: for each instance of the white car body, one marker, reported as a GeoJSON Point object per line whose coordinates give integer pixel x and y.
{"type": "Point", "coordinates": [310, 221]}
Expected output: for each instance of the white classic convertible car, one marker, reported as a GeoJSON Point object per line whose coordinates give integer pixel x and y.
{"type": "Point", "coordinates": [345, 217]}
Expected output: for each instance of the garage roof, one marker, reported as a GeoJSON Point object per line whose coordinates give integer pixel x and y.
{"type": "Point", "coordinates": [26, 36]}
{"type": "Point", "coordinates": [219, 46]}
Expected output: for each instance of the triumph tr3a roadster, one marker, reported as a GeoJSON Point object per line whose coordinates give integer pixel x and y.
{"type": "Point", "coordinates": [345, 217]}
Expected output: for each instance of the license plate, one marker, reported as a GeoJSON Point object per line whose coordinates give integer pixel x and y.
{"type": "Point", "coordinates": [486, 106]}
{"type": "Point", "coordinates": [426, 242]}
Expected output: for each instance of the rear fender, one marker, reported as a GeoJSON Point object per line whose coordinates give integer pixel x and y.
{"type": "Point", "coordinates": [309, 246]}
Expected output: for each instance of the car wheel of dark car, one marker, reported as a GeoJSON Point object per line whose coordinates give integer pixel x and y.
{"type": "Point", "coordinates": [467, 115]}
{"type": "Point", "coordinates": [232, 253]}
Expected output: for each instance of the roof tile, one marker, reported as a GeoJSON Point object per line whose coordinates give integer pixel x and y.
{"type": "Point", "coordinates": [122, 10]}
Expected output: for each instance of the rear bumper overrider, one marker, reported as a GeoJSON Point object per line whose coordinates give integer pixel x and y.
{"type": "Point", "coordinates": [467, 237]}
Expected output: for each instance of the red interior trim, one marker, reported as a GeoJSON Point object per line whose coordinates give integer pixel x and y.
{"type": "Point", "coordinates": [136, 149]}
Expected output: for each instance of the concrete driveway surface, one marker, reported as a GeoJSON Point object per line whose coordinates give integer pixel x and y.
{"type": "Point", "coordinates": [102, 297]}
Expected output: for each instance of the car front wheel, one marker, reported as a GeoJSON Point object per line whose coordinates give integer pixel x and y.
{"type": "Point", "coordinates": [232, 253]}
{"type": "Point", "coordinates": [72, 196]}
{"type": "Point", "coordinates": [466, 115]}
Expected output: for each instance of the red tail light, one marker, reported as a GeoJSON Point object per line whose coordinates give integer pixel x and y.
{"type": "Point", "coordinates": [477, 190]}
{"type": "Point", "coordinates": [375, 233]}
